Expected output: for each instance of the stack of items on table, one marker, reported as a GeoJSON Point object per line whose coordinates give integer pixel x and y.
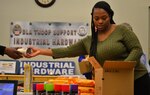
{"type": "Point", "coordinates": [65, 86]}
{"type": "Point", "coordinates": [85, 87]}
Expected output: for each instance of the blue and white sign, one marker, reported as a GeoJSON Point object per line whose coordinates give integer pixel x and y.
{"type": "Point", "coordinates": [39, 67]}
{"type": "Point", "coordinates": [50, 67]}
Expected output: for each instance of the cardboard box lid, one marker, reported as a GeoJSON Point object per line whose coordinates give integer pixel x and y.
{"type": "Point", "coordinates": [119, 64]}
{"type": "Point", "coordinates": [112, 64]}
{"type": "Point", "coordinates": [94, 63]}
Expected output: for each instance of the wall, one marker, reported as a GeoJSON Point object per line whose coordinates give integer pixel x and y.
{"type": "Point", "coordinates": [134, 12]}
{"type": "Point", "coordinates": [149, 36]}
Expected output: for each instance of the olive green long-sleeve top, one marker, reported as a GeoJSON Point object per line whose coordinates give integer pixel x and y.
{"type": "Point", "coordinates": [122, 45]}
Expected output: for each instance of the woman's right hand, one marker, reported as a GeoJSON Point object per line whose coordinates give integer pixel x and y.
{"type": "Point", "coordinates": [35, 52]}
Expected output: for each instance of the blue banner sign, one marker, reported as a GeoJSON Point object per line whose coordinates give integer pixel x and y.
{"type": "Point", "coordinates": [42, 67]}
{"type": "Point", "coordinates": [50, 67]}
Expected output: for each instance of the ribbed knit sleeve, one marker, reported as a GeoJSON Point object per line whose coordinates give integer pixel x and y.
{"type": "Point", "coordinates": [76, 49]}
{"type": "Point", "coordinates": [133, 45]}
{"type": "Point", "coordinates": [2, 50]}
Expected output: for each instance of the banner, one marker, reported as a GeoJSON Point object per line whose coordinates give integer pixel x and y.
{"type": "Point", "coordinates": [39, 67]}
{"type": "Point", "coordinates": [49, 67]}
{"type": "Point", "coordinates": [46, 34]}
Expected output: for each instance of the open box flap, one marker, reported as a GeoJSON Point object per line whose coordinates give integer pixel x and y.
{"type": "Point", "coordinates": [119, 64]}
{"type": "Point", "coordinates": [94, 62]}
{"type": "Point", "coordinates": [112, 64]}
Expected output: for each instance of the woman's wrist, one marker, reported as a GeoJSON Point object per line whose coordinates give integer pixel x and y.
{"type": "Point", "coordinates": [47, 52]}
{"type": "Point", "coordinates": [42, 51]}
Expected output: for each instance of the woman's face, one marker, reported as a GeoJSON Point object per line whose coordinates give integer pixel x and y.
{"type": "Point", "coordinates": [101, 19]}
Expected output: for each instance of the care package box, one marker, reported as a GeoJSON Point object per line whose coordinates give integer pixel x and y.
{"type": "Point", "coordinates": [114, 78]}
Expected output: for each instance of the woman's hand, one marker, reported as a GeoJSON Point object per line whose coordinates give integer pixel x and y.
{"type": "Point", "coordinates": [38, 51]}
{"type": "Point", "coordinates": [34, 52]}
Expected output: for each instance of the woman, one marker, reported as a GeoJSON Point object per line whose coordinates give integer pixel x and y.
{"type": "Point", "coordinates": [108, 42]}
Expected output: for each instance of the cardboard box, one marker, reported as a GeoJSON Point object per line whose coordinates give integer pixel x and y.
{"type": "Point", "coordinates": [114, 78]}
{"type": "Point", "coordinates": [85, 67]}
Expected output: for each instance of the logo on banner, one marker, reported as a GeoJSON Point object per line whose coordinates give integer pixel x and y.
{"type": "Point", "coordinates": [82, 31]}
{"type": "Point", "coordinates": [17, 30]}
